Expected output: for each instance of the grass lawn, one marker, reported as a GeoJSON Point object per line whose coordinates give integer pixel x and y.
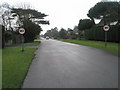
{"type": "Point", "coordinates": [111, 47]}
{"type": "Point", "coordinates": [15, 65]}
{"type": "Point", "coordinates": [0, 69]}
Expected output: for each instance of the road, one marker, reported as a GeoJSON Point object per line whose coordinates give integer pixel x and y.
{"type": "Point", "coordinates": [64, 65]}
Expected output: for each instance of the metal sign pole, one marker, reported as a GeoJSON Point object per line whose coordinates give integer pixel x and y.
{"type": "Point", "coordinates": [105, 39]}
{"type": "Point", "coordinates": [22, 44]}
{"type": "Point", "coordinates": [106, 28]}
{"type": "Point", "coordinates": [22, 31]}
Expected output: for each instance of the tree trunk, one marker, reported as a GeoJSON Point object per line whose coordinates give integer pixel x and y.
{"type": "Point", "coordinates": [3, 37]}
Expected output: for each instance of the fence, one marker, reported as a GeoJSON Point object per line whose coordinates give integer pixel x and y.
{"type": "Point", "coordinates": [98, 34]}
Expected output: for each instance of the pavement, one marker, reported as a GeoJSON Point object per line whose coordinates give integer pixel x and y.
{"type": "Point", "coordinates": [65, 65]}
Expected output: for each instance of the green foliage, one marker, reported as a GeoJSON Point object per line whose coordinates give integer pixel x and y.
{"type": "Point", "coordinates": [97, 33]}
{"type": "Point", "coordinates": [32, 30]}
{"type": "Point", "coordinates": [71, 34]}
{"type": "Point", "coordinates": [55, 33]}
{"type": "Point", "coordinates": [8, 35]}
{"type": "Point", "coordinates": [63, 34]}
{"type": "Point", "coordinates": [85, 24]}
{"type": "Point", "coordinates": [28, 13]}
{"type": "Point", "coordinates": [52, 33]}
{"type": "Point", "coordinates": [43, 22]}
{"type": "Point", "coordinates": [30, 19]}
{"type": "Point", "coordinates": [107, 10]}
{"type": "Point", "coordinates": [48, 33]}
{"type": "Point", "coordinates": [3, 36]}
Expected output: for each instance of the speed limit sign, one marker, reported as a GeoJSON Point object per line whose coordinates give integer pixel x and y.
{"type": "Point", "coordinates": [106, 27]}
{"type": "Point", "coordinates": [21, 31]}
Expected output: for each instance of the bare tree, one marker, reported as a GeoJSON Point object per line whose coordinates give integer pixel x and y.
{"type": "Point", "coordinates": [5, 16]}
{"type": "Point", "coordinates": [24, 5]}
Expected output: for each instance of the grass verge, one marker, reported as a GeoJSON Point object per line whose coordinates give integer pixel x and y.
{"type": "Point", "coordinates": [15, 65]}
{"type": "Point", "coordinates": [0, 69]}
{"type": "Point", "coordinates": [111, 47]}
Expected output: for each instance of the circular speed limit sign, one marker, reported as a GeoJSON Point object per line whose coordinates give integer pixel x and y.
{"type": "Point", "coordinates": [21, 31]}
{"type": "Point", "coordinates": [106, 27]}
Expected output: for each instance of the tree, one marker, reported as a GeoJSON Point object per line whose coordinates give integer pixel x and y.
{"type": "Point", "coordinates": [53, 33]}
{"type": "Point", "coordinates": [3, 36]}
{"type": "Point", "coordinates": [71, 34]}
{"type": "Point", "coordinates": [6, 20]}
{"type": "Point", "coordinates": [76, 32]}
{"type": "Point", "coordinates": [6, 16]}
{"type": "Point", "coordinates": [63, 33]}
{"type": "Point", "coordinates": [48, 33]}
{"type": "Point", "coordinates": [85, 24]}
{"type": "Point", "coordinates": [30, 20]}
{"type": "Point", "coordinates": [32, 30]}
{"type": "Point", "coordinates": [109, 11]}
{"type": "Point", "coordinates": [29, 14]}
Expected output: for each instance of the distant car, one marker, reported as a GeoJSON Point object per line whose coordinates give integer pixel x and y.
{"type": "Point", "coordinates": [47, 38]}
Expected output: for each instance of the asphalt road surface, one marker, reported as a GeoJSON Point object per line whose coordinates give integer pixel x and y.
{"type": "Point", "coordinates": [64, 65]}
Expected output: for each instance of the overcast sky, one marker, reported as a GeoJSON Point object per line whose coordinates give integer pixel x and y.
{"type": "Point", "coordinates": [62, 13]}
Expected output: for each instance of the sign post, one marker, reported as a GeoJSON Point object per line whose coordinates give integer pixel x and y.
{"type": "Point", "coordinates": [106, 28]}
{"type": "Point", "coordinates": [22, 31]}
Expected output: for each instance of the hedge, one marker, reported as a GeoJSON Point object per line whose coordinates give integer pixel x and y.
{"type": "Point", "coordinates": [97, 33]}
